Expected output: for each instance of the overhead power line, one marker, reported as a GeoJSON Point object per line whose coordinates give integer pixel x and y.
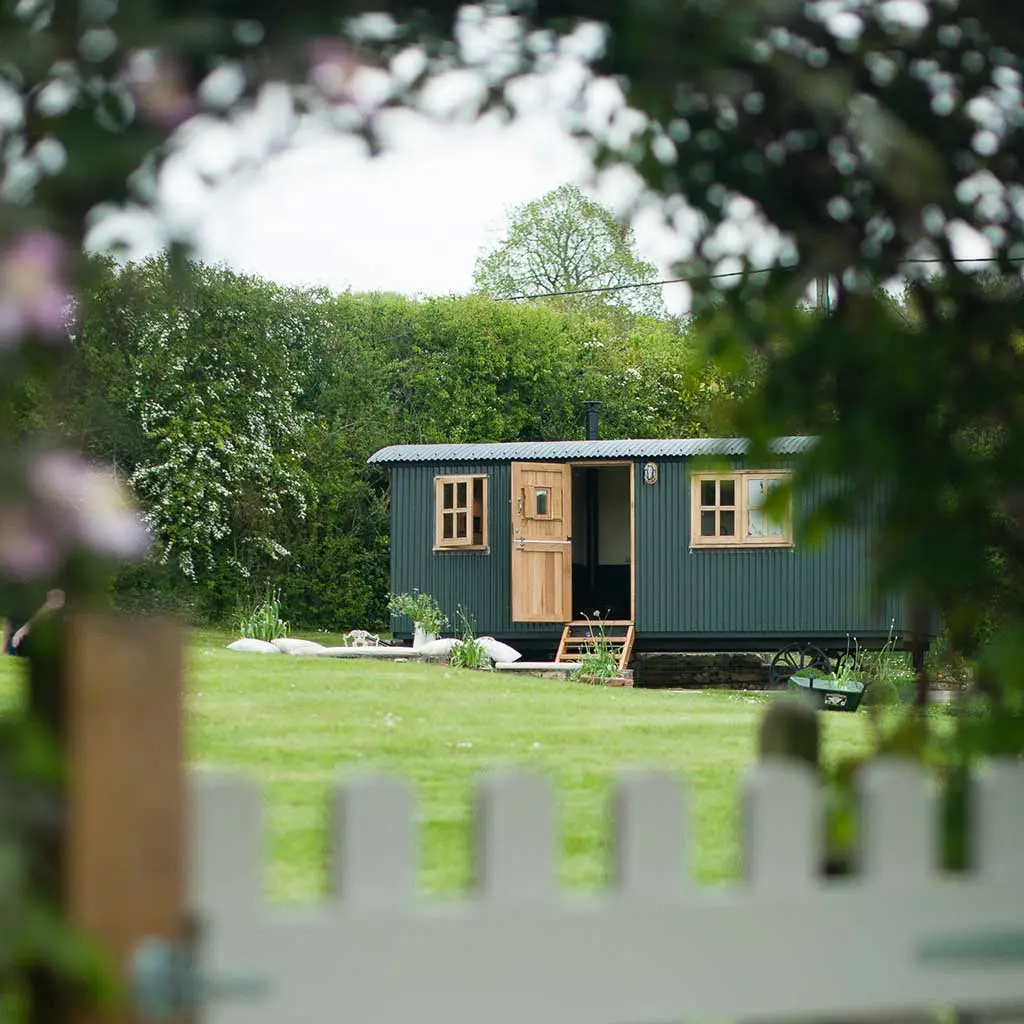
{"type": "Point", "coordinates": [712, 277]}
{"type": "Point", "coordinates": [638, 284]}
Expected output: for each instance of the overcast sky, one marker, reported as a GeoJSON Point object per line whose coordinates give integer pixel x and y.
{"type": "Point", "coordinates": [412, 220]}
{"type": "Point", "coordinates": [311, 207]}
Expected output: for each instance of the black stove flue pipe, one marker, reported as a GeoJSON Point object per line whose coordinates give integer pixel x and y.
{"type": "Point", "coordinates": [591, 504]}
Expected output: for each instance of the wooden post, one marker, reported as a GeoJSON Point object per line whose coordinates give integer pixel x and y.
{"type": "Point", "coordinates": [124, 863]}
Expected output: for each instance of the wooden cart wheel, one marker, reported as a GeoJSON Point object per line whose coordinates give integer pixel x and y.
{"type": "Point", "coordinates": [795, 658]}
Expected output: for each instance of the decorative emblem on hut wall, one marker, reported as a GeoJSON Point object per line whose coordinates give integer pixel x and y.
{"type": "Point", "coordinates": [650, 472]}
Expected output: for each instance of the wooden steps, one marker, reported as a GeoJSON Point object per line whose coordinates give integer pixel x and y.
{"type": "Point", "coordinates": [581, 635]}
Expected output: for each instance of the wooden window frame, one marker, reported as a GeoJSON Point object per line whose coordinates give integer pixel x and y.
{"type": "Point", "coordinates": [442, 543]}
{"type": "Point", "coordinates": [535, 514]}
{"type": "Point", "coordinates": [742, 539]}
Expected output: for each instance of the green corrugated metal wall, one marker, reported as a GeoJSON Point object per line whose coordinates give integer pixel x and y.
{"type": "Point", "coordinates": [479, 581]}
{"type": "Point", "coordinates": [764, 591]}
{"type": "Point", "coordinates": [678, 592]}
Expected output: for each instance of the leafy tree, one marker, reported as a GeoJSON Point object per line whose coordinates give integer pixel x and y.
{"type": "Point", "coordinates": [196, 373]}
{"type": "Point", "coordinates": [565, 242]}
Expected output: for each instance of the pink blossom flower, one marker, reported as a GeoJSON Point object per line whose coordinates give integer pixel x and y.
{"type": "Point", "coordinates": [33, 294]}
{"type": "Point", "coordinates": [332, 68]}
{"type": "Point", "coordinates": [88, 503]}
{"type": "Point", "coordinates": [157, 84]}
{"type": "Point", "coordinates": [27, 550]}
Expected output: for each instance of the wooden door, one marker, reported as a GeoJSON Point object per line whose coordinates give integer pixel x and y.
{"type": "Point", "coordinates": [541, 542]}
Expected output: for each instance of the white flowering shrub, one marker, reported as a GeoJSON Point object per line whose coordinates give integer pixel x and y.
{"type": "Point", "coordinates": [216, 396]}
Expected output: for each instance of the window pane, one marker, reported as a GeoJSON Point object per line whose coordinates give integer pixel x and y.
{"type": "Point", "coordinates": [447, 526]}
{"type": "Point", "coordinates": [478, 489]}
{"type": "Point", "coordinates": [775, 529]}
{"type": "Point", "coordinates": [708, 492]}
{"type": "Point", "coordinates": [727, 492]}
{"type": "Point", "coordinates": [707, 524]}
{"type": "Point", "coordinates": [755, 492]}
{"type": "Point", "coordinates": [542, 501]}
{"type": "Point", "coordinates": [478, 530]}
{"type": "Point", "coordinates": [460, 495]}
{"type": "Point", "coordinates": [460, 525]}
{"type": "Point", "coordinates": [447, 496]}
{"type": "Point", "coordinates": [727, 524]}
{"type": "Point", "coordinates": [756, 523]}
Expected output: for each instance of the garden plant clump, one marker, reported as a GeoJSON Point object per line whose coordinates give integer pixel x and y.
{"type": "Point", "coordinates": [264, 622]}
{"type": "Point", "coordinates": [599, 662]}
{"type": "Point", "coordinates": [468, 652]}
{"type": "Point", "coordinates": [887, 673]}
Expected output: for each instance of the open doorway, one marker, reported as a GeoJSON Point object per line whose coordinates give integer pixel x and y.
{"type": "Point", "coordinates": [602, 541]}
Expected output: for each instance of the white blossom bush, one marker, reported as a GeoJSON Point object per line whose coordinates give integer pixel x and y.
{"type": "Point", "coordinates": [221, 413]}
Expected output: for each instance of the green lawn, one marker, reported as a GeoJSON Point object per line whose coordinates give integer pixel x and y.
{"type": "Point", "coordinates": [294, 725]}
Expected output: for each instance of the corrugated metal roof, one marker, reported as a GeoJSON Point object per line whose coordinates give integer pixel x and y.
{"type": "Point", "coordinates": [558, 451]}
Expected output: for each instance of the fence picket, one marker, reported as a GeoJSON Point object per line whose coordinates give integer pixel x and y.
{"type": "Point", "coordinates": [227, 859]}
{"type": "Point", "coordinates": [515, 838]}
{"type": "Point", "coordinates": [373, 843]}
{"type": "Point", "coordinates": [651, 852]}
{"type": "Point", "coordinates": [782, 825]}
{"type": "Point", "coordinates": [998, 820]}
{"type": "Point", "coordinates": [898, 822]}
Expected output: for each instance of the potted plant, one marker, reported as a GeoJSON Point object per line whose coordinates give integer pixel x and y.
{"type": "Point", "coordinates": [264, 622]}
{"type": "Point", "coordinates": [427, 618]}
{"type": "Point", "coordinates": [892, 670]}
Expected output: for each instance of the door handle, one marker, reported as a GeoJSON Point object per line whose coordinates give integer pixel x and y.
{"type": "Point", "coordinates": [520, 502]}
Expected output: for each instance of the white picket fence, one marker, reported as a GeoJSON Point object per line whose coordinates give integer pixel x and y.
{"type": "Point", "coordinates": [784, 943]}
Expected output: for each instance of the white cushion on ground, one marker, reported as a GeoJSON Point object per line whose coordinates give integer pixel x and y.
{"type": "Point", "coordinates": [292, 645]}
{"type": "Point", "coordinates": [497, 651]}
{"type": "Point", "coordinates": [438, 648]}
{"type": "Point", "coordinates": [256, 646]}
